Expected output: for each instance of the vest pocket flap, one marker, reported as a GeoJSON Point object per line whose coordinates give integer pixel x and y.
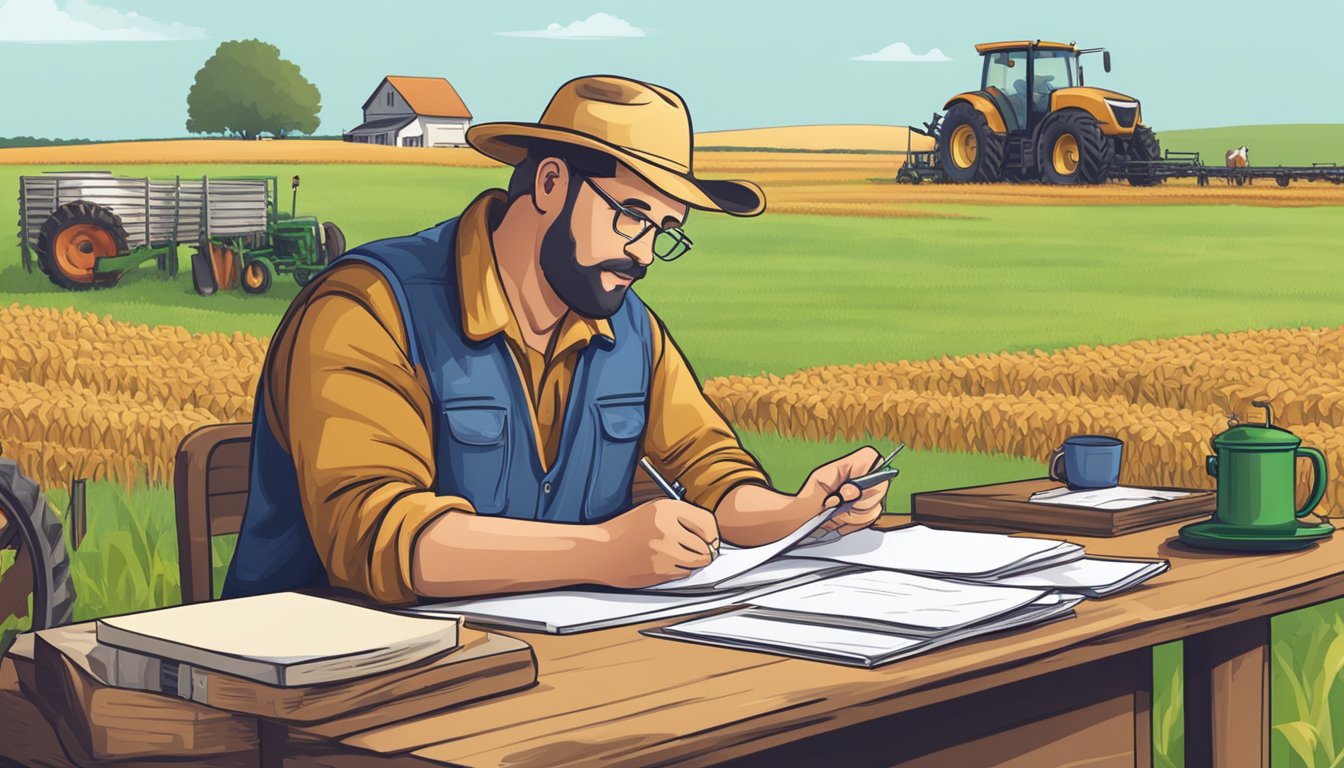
{"type": "Point", "coordinates": [621, 421]}
{"type": "Point", "coordinates": [477, 426]}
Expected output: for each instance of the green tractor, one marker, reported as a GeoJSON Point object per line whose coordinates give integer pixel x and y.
{"type": "Point", "coordinates": [89, 228]}
{"type": "Point", "coordinates": [1033, 119]}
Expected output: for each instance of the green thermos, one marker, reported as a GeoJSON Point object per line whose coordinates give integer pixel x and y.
{"type": "Point", "coordinates": [1256, 467]}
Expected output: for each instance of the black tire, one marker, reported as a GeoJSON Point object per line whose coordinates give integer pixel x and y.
{"type": "Point", "coordinates": [34, 524]}
{"type": "Point", "coordinates": [987, 165]}
{"type": "Point", "coordinates": [333, 241]}
{"type": "Point", "coordinates": [1095, 152]}
{"type": "Point", "coordinates": [256, 277]}
{"type": "Point", "coordinates": [1144, 147]}
{"type": "Point", "coordinates": [1281, 180]}
{"type": "Point", "coordinates": [109, 234]}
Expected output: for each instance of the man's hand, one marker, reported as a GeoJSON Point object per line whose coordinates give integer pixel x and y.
{"type": "Point", "coordinates": [826, 487]}
{"type": "Point", "coordinates": [657, 541]}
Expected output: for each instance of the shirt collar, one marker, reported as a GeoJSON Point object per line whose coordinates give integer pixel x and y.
{"type": "Point", "coordinates": [485, 306]}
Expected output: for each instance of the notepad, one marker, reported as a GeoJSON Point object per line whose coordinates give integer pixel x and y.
{"type": "Point", "coordinates": [1117, 497]}
{"type": "Point", "coordinates": [923, 550]}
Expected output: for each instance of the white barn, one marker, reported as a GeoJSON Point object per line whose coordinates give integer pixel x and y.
{"type": "Point", "coordinates": [413, 112]}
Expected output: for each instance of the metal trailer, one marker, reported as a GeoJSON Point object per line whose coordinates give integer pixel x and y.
{"type": "Point", "coordinates": [920, 166]}
{"type": "Point", "coordinates": [1184, 165]}
{"type": "Point", "coordinates": [86, 229]}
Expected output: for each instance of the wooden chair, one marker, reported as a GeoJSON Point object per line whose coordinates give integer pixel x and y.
{"type": "Point", "coordinates": [210, 481]}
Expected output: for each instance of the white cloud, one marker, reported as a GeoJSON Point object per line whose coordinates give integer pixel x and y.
{"type": "Point", "coordinates": [599, 26]}
{"type": "Point", "coordinates": [41, 21]}
{"type": "Point", "coordinates": [902, 52]}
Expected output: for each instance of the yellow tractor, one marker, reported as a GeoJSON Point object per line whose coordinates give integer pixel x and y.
{"type": "Point", "coordinates": [1034, 119]}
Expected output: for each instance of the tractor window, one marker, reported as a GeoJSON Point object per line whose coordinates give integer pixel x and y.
{"type": "Point", "coordinates": [1053, 70]}
{"type": "Point", "coordinates": [1006, 78]}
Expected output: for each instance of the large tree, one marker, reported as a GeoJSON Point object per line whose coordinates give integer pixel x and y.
{"type": "Point", "coordinates": [247, 89]}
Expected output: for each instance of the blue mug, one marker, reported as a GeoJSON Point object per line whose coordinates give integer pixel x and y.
{"type": "Point", "coordinates": [1087, 462]}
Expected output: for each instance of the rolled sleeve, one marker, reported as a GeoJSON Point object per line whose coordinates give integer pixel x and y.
{"type": "Point", "coordinates": [356, 420]}
{"type": "Point", "coordinates": [686, 435]}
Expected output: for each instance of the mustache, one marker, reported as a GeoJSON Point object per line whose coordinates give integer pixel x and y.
{"type": "Point", "coordinates": [627, 267]}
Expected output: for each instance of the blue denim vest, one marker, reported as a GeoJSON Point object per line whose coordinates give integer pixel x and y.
{"type": "Point", "coordinates": [484, 444]}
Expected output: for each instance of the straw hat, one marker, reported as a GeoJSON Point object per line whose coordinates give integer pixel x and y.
{"type": "Point", "coordinates": [644, 126]}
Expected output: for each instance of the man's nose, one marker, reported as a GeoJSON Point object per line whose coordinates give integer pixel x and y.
{"type": "Point", "coordinates": [641, 249]}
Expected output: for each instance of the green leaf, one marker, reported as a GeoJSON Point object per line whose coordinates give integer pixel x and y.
{"type": "Point", "coordinates": [1284, 661]}
{"type": "Point", "coordinates": [1302, 737]}
{"type": "Point", "coordinates": [1329, 673]}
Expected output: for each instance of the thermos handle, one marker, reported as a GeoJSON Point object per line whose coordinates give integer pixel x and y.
{"type": "Point", "coordinates": [1211, 465]}
{"type": "Point", "coordinates": [1057, 466]}
{"type": "Point", "coordinates": [1318, 483]}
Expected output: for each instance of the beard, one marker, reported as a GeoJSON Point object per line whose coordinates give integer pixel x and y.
{"type": "Point", "coordinates": [580, 286]}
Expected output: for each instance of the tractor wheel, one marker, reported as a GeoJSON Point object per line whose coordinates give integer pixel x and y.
{"type": "Point", "coordinates": [256, 277]}
{"type": "Point", "coordinates": [967, 149]}
{"type": "Point", "coordinates": [1073, 150]}
{"type": "Point", "coordinates": [333, 241]}
{"type": "Point", "coordinates": [40, 565]}
{"type": "Point", "coordinates": [1144, 147]}
{"type": "Point", "coordinates": [71, 240]}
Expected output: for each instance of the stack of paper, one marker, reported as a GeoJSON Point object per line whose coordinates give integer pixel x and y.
{"type": "Point", "coordinates": [1090, 576]}
{"type": "Point", "coordinates": [932, 552]}
{"type": "Point", "coordinates": [752, 631]}
{"type": "Point", "coordinates": [890, 601]}
{"type": "Point", "coordinates": [1116, 497]}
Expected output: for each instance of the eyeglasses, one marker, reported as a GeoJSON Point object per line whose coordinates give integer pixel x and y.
{"type": "Point", "coordinates": [668, 244]}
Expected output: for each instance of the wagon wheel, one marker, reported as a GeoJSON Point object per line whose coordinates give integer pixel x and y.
{"type": "Point", "coordinates": [256, 277]}
{"type": "Point", "coordinates": [71, 241]}
{"type": "Point", "coordinates": [33, 558]}
{"type": "Point", "coordinates": [333, 241]}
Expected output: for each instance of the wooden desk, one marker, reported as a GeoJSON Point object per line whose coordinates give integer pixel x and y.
{"type": "Point", "coordinates": [1075, 692]}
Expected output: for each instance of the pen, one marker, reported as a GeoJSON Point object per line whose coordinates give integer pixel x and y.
{"type": "Point", "coordinates": [673, 491]}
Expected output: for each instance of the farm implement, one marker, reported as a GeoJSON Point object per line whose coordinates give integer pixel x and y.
{"type": "Point", "coordinates": [1034, 119]}
{"type": "Point", "coordinates": [34, 563]}
{"type": "Point", "coordinates": [88, 228]}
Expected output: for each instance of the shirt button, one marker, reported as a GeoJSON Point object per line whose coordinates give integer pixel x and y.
{"type": "Point", "coordinates": [546, 488]}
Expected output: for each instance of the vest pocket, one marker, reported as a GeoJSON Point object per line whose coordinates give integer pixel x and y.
{"type": "Point", "coordinates": [620, 425]}
{"type": "Point", "coordinates": [477, 455]}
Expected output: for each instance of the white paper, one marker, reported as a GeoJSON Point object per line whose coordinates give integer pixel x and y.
{"type": "Point", "coordinates": [780, 570]}
{"type": "Point", "coordinates": [1090, 575]}
{"type": "Point", "coordinates": [560, 610]}
{"type": "Point", "coordinates": [906, 602]}
{"type": "Point", "coordinates": [734, 561]}
{"type": "Point", "coordinates": [920, 549]}
{"type": "Point", "coordinates": [1119, 497]}
{"type": "Point", "coordinates": [747, 630]}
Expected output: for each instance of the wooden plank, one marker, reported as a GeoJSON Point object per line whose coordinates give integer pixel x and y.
{"type": "Point", "coordinates": [625, 694]}
{"type": "Point", "coordinates": [25, 735]}
{"type": "Point", "coordinates": [226, 512]}
{"type": "Point", "coordinates": [1227, 696]}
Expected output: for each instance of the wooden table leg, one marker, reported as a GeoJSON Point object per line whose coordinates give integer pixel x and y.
{"type": "Point", "coordinates": [1227, 696]}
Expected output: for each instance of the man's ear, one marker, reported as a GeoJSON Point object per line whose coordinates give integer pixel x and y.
{"type": "Point", "coordinates": [551, 185]}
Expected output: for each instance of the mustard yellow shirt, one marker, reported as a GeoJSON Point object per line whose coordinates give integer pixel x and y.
{"type": "Point", "coordinates": [347, 404]}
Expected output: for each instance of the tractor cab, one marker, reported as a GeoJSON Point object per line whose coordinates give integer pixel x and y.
{"type": "Point", "coordinates": [1020, 81]}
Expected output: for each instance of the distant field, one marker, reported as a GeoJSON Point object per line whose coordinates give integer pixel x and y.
{"type": "Point", "coordinates": [1268, 144]}
{"type": "Point", "coordinates": [883, 138]}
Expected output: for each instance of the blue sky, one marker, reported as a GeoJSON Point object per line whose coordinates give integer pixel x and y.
{"type": "Point", "coordinates": [126, 66]}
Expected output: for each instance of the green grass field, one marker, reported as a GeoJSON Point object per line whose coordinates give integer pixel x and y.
{"type": "Point", "coordinates": [1268, 144]}
{"type": "Point", "coordinates": [781, 293]}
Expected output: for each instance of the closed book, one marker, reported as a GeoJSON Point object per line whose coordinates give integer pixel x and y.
{"type": "Point", "coordinates": [1006, 507]}
{"type": "Point", "coordinates": [284, 639]}
{"type": "Point", "coordinates": [484, 665]}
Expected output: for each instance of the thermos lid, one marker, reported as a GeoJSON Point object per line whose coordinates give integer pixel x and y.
{"type": "Point", "coordinates": [1263, 437]}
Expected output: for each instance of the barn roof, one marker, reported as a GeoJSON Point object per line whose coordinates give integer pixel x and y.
{"type": "Point", "coordinates": [427, 96]}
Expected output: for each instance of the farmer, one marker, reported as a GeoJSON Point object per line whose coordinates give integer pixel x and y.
{"type": "Point", "coordinates": [461, 411]}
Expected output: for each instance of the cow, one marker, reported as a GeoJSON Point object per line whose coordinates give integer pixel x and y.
{"type": "Point", "coordinates": [1239, 158]}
